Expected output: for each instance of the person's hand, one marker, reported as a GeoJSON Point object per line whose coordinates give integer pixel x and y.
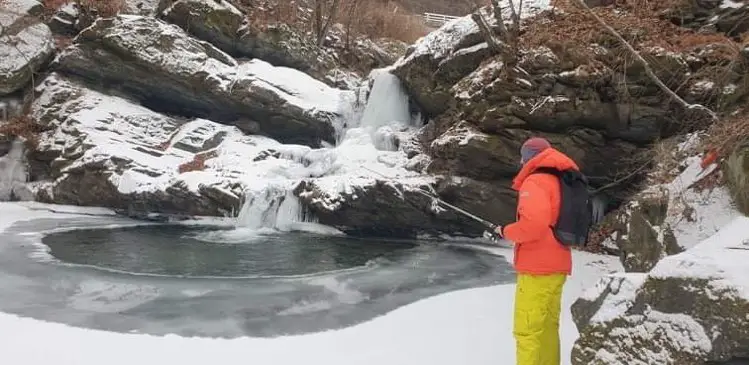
{"type": "Point", "coordinates": [498, 231]}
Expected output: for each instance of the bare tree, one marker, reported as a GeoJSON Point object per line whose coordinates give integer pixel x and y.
{"type": "Point", "coordinates": [322, 28]}
{"type": "Point", "coordinates": [352, 10]}
{"type": "Point", "coordinates": [505, 39]}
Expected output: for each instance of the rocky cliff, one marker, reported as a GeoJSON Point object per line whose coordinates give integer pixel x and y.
{"type": "Point", "coordinates": [193, 106]}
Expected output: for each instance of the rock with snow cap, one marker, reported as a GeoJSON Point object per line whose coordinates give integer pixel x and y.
{"type": "Point", "coordinates": [101, 150]}
{"type": "Point", "coordinates": [161, 66]}
{"type": "Point", "coordinates": [231, 30]}
{"type": "Point", "coordinates": [669, 217]}
{"type": "Point", "coordinates": [690, 309]}
{"type": "Point", "coordinates": [26, 44]}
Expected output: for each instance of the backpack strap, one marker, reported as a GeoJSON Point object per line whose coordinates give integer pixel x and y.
{"type": "Point", "coordinates": [548, 170]}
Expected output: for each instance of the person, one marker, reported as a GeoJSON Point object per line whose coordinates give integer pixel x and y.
{"type": "Point", "coordinates": [542, 263]}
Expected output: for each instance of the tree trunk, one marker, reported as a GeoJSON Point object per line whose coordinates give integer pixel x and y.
{"type": "Point", "coordinates": [331, 17]}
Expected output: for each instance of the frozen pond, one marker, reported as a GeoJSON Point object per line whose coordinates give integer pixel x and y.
{"type": "Point", "coordinates": [195, 281]}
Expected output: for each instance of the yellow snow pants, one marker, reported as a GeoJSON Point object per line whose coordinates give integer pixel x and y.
{"type": "Point", "coordinates": [538, 302]}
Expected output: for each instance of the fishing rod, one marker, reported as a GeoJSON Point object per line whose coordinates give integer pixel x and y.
{"type": "Point", "coordinates": [491, 226]}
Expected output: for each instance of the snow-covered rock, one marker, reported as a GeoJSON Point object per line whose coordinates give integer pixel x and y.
{"type": "Point", "coordinates": [107, 151]}
{"type": "Point", "coordinates": [25, 46]}
{"type": "Point", "coordinates": [231, 30]}
{"type": "Point", "coordinates": [692, 308]}
{"type": "Point", "coordinates": [666, 219]}
{"type": "Point", "coordinates": [164, 68]}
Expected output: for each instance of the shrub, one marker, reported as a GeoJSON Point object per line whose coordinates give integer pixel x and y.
{"type": "Point", "coordinates": [198, 162]}
{"type": "Point", "coordinates": [23, 127]}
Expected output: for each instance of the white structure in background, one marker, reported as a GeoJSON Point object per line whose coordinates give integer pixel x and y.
{"type": "Point", "coordinates": [438, 19]}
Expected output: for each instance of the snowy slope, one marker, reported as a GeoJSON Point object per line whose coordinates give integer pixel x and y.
{"type": "Point", "coordinates": [471, 326]}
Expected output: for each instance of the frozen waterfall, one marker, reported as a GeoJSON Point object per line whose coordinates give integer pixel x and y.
{"type": "Point", "coordinates": [271, 208]}
{"type": "Point", "coordinates": [371, 139]}
{"type": "Point", "coordinates": [12, 172]}
{"type": "Point", "coordinates": [387, 103]}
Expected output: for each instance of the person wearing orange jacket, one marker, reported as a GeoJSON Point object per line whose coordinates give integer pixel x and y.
{"type": "Point", "coordinates": [542, 263]}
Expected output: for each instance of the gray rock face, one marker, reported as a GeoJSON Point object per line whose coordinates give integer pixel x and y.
{"type": "Point", "coordinates": [692, 308]}
{"type": "Point", "coordinates": [643, 237]}
{"type": "Point", "coordinates": [25, 46]}
{"type": "Point", "coordinates": [604, 118]}
{"type": "Point", "coordinates": [227, 27]}
{"type": "Point", "coordinates": [432, 66]}
{"type": "Point", "coordinates": [161, 66]}
{"type": "Point", "coordinates": [101, 150]}
{"type": "Point", "coordinates": [391, 209]}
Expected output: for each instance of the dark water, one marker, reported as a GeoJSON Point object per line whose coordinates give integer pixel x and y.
{"type": "Point", "coordinates": [180, 251]}
{"type": "Point", "coordinates": [199, 282]}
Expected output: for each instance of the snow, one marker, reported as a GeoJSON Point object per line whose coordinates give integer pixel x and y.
{"type": "Point", "coordinates": [720, 259]}
{"type": "Point", "coordinates": [214, 5]}
{"type": "Point", "coordinates": [622, 286]}
{"type": "Point", "coordinates": [710, 209]}
{"type": "Point", "coordinates": [451, 37]}
{"type": "Point", "coordinates": [294, 85]}
{"type": "Point", "coordinates": [471, 326]}
{"type": "Point", "coordinates": [658, 330]}
{"type": "Point", "coordinates": [731, 4]}
{"type": "Point", "coordinates": [461, 133]}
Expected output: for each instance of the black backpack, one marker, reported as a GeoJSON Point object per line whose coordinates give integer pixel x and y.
{"type": "Point", "coordinates": [575, 208]}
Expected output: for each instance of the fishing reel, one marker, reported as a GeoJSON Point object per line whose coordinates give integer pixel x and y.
{"type": "Point", "coordinates": [492, 236]}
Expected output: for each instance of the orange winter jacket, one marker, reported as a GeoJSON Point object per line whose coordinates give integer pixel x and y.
{"type": "Point", "coordinates": [537, 251]}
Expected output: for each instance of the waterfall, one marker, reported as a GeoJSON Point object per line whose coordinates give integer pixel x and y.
{"type": "Point", "coordinates": [274, 208]}
{"type": "Point", "coordinates": [387, 103]}
{"type": "Point", "coordinates": [12, 171]}
{"type": "Point", "coordinates": [385, 115]}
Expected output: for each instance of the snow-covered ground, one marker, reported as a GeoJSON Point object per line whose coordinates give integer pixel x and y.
{"type": "Point", "coordinates": [470, 326]}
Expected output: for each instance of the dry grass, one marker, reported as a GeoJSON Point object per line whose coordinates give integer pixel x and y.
{"type": "Point", "coordinates": [723, 136]}
{"type": "Point", "coordinates": [198, 162]}
{"type": "Point", "coordinates": [24, 127]}
{"type": "Point", "coordinates": [640, 24]}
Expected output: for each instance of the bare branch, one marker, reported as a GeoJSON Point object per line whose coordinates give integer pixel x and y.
{"type": "Point", "coordinates": [646, 66]}
{"type": "Point", "coordinates": [494, 45]}
{"type": "Point", "coordinates": [501, 28]}
{"type": "Point", "coordinates": [332, 12]}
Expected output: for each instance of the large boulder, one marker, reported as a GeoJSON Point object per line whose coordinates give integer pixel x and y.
{"type": "Point", "coordinates": [435, 63]}
{"type": "Point", "coordinates": [164, 68]}
{"type": "Point", "coordinates": [100, 150]}
{"type": "Point", "coordinates": [691, 309]}
{"type": "Point", "coordinates": [230, 29]}
{"type": "Point", "coordinates": [26, 44]}
{"type": "Point", "coordinates": [396, 209]}
{"type": "Point", "coordinates": [465, 150]}
{"type": "Point", "coordinates": [737, 176]}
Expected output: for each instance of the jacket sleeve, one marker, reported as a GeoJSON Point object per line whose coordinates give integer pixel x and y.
{"type": "Point", "coordinates": [534, 214]}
